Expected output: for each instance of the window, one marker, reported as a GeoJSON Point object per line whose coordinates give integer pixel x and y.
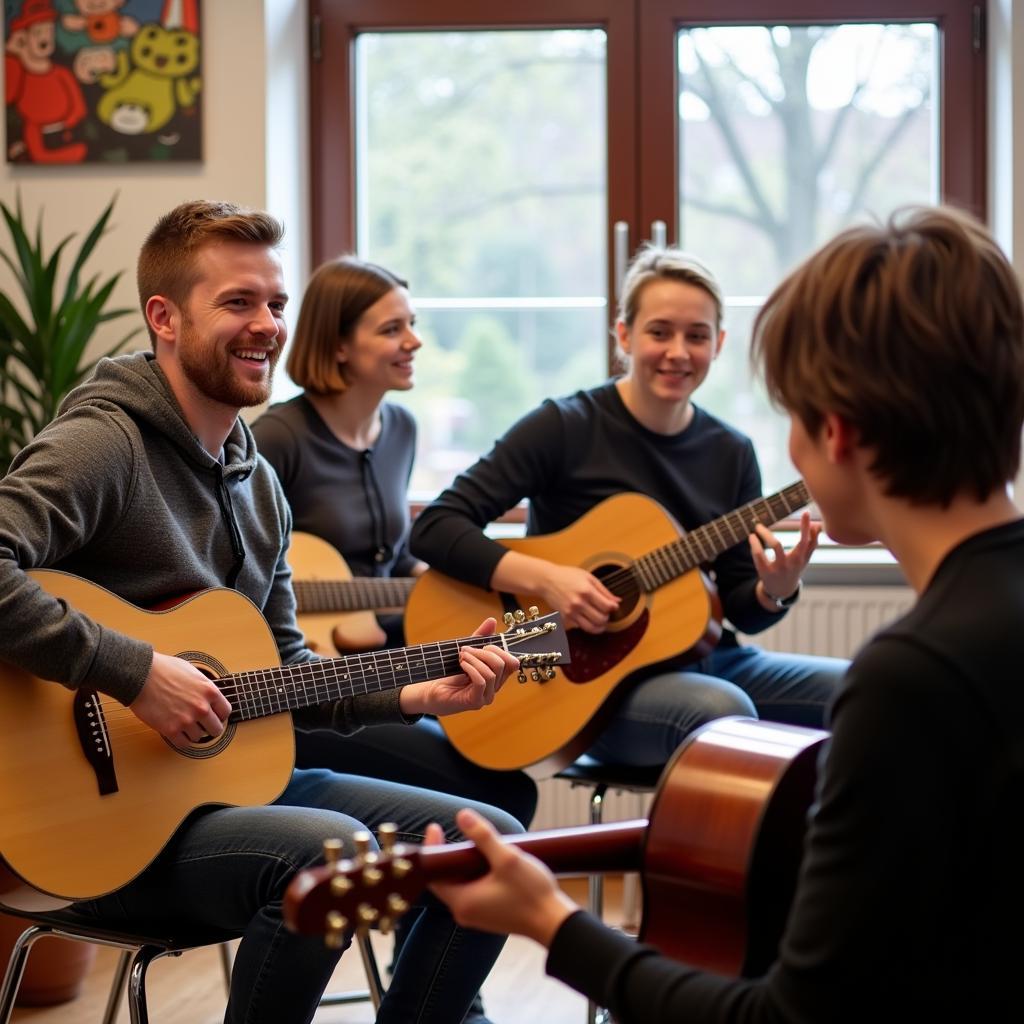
{"type": "Point", "coordinates": [501, 161]}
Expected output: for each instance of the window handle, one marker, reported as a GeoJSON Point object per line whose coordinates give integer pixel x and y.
{"type": "Point", "coordinates": [621, 250]}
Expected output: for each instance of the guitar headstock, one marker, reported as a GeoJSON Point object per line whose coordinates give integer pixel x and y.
{"type": "Point", "coordinates": [538, 641]}
{"type": "Point", "coordinates": [371, 890]}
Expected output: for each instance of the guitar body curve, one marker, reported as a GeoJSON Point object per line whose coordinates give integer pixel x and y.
{"type": "Point", "coordinates": [543, 726]}
{"type": "Point", "coordinates": [328, 633]}
{"type": "Point", "coordinates": [725, 841]}
{"type": "Point", "coordinates": [57, 830]}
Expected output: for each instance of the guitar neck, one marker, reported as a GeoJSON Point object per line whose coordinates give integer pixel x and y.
{"type": "Point", "coordinates": [706, 543]}
{"type": "Point", "coordinates": [363, 593]}
{"type": "Point", "coordinates": [588, 849]}
{"type": "Point", "coordinates": [324, 680]}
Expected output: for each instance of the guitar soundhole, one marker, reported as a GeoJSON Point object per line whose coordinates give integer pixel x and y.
{"type": "Point", "coordinates": [621, 582]}
{"type": "Point", "coordinates": [211, 746]}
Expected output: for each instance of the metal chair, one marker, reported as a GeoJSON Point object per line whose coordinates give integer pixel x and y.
{"type": "Point", "coordinates": [600, 777]}
{"type": "Point", "coordinates": [139, 949]}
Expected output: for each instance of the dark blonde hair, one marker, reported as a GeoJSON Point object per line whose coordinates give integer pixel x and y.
{"type": "Point", "coordinates": [167, 260]}
{"type": "Point", "coordinates": [338, 294]}
{"type": "Point", "coordinates": [912, 332]}
{"type": "Point", "coordinates": [657, 263]}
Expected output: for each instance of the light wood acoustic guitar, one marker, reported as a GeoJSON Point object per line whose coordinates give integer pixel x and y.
{"type": "Point", "coordinates": [719, 855]}
{"type": "Point", "coordinates": [668, 615]}
{"type": "Point", "coordinates": [91, 794]}
{"type": "Point", "coordinates": [335, 608]}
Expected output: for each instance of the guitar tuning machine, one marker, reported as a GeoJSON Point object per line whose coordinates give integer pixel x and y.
{"type": "Point", "coordinates": [533, 612]}
{"type": "Point", "coordinates": [334, 930]}
{"type": "Point", "coordinates": [520, 615]}
{"type": "Point", "coordinates": [508, 618]}
{"type": "Point", "coordinates": [332, 850]}
{"type": "Point", "coordinates": [386, 834]}
{"type": "Point", "coordinates": [521, 676]}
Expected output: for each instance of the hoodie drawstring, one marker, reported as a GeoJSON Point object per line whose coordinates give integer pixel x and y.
{"type": "Point", "coordinates": [224, 500]}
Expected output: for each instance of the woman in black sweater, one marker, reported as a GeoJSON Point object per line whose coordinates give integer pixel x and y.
{"type": "Point", "coordinates": [642, 432]}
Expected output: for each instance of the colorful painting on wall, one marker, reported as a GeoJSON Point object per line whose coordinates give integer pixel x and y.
{"type": "Point", "coordinates": [102, 81]}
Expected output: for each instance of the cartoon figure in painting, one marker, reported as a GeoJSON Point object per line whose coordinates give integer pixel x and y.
{"type": "Point", "coordinates": [151, 85]}
{"type": "Point", "coordinates": [99, 20]}
{"type": "Point", "coordinates": [45, 95]}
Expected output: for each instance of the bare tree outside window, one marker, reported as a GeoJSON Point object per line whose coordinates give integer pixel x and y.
{"type": "Point", "coordinates": [786, 136]}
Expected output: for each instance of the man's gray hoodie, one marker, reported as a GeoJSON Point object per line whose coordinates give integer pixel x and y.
{"type": "Point", "coordinates": [119, 491]}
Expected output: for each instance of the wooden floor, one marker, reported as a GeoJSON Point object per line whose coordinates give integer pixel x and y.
{"type": "Point", "coordinates": [190, 989]}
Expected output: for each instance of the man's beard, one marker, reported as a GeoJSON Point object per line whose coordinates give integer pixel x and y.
{"type": "Point", "coordinates": [209, 370]}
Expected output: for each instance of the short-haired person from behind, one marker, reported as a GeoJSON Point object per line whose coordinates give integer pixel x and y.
{"type": "Point", "coordinates": [898, 352]}
{"type": "Point", "coordinates": [149, 484]}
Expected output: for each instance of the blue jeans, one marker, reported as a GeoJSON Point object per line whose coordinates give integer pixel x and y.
{"type": "Point", "coordinates": [228, 868]}
{"type": "Point", "coordinates": [658, 713]}
{"type": "Point", "coordinates": [420, 755]}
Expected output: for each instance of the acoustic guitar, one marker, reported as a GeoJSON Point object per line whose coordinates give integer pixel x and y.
{"type": "Point", "coordinates": [668, 615]}
{"type": "Point", "coordinates": [719, 856]}
{"type": "Point", "coordinates": [335, 608]}
{"type": "Point", "coordinates": [91, 794]}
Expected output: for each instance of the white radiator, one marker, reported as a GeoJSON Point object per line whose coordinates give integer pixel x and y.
{"type": "Point", "coordinates": [826, 620]}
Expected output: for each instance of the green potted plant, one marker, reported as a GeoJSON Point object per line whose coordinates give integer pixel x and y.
{"type": "Point", "coordinates": [42, 352]}
{"type": "Point", "coordinates": [41, 359]}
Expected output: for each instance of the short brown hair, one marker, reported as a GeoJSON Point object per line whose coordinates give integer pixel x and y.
{"type": "Point", "coordinates": [913, 332]}
{"type": "Point", "coordinates": [167, 260]}
{"type": "Point", "coordinates": [657, 263]}
{"type": "Point", "coordinates": [338, 294]}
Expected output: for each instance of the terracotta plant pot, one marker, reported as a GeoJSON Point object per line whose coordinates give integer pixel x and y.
{"type": "Point", "coordinates": [56, 968]}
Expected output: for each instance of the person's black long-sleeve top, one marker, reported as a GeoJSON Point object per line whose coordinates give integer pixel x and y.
{"type": "Point", "coordinates": [910, 899]}
{"type": "Point", "coordinates": [570, 454]}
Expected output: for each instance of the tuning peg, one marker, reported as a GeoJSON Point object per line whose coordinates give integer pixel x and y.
{"type": "Point", "coordinates": [386, 834]}
{"type": "Point", "coordinates": [372, 876]}
{"type": "Point", "coordinates": [401, 866]}
{"type": "Point", "coordinates": [549, 674]}
{"type": "Point", "coordinates": [332, 850]}
{"type": "Point", "coordinates": [362, 839]}
{"type": "Point", "coordinates": [520, 615]}
{"type": "Point", "coordinates": [334, 930]}
{"type": "Point", "coordinates": [535, 675]}
{"type": "Point", "coordinates": [340, 885]}
{"type": "Point", "coordinates": [508, 618]}
{"type": "Point", "coordinates": [533, 612]}
{"type": "Point", "coordinates": [521, 676]}
{"type": "Point", "coordinates": [396, 904]}
{"type": "Point", "coordinates": [367, 915]}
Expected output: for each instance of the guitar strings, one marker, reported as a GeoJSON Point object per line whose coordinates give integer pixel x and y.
{"type": "Point", "coordinates": [322, 677]}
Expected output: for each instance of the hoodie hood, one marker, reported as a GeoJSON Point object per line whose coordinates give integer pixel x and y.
{"type": "Point", "coordinates": [136, 385]}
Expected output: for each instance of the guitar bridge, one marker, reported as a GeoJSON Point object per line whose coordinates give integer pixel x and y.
{"type": "Point", "coordinates": [93, 735]}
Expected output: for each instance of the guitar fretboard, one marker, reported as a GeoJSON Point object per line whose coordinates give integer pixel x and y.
{"type": "Point", "coordinates": [363, 593]}
{"type": "Point", "coordinates": [706, 543]}
{"type": "Point", "coordinates": [289, 687]}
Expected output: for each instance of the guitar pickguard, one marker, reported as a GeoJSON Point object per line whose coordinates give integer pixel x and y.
{"type": "Point", "coordinates": [593, 655]}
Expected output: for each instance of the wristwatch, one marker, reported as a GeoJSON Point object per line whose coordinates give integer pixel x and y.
{"type": "Point", "coordinates": [781, 603]}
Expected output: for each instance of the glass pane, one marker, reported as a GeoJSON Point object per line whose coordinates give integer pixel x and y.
{"type": "Point", "coordinates": [481, 179]}
{"type": "Point", "coordinates": [787, 135]}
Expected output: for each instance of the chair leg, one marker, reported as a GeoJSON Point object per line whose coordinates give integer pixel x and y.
{"type": "Point", "coordinates": [374, 992]}
{"type": "Point", "coordinates": [372, 973]}
{"type": "Point", "coordinates": [117, 986]}
{"type": "Point", "coordinates": [16, 969]}
{"type": "Point", "coordinates": [138, 1011]}
{"type": "Point", "coordinates": [595, 885]}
